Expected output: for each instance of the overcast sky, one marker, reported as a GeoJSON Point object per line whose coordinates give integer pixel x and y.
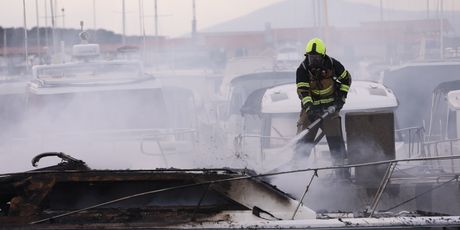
{"type": "Point", "coordinates": [175, 15]}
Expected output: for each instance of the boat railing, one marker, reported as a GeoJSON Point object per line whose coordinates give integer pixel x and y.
{"type": "Point", "coordinates": [419, 144]}
{"type": "Point", "coordinates": [413, 138]}
{"type": "Point", "coordinates": [447, 147]}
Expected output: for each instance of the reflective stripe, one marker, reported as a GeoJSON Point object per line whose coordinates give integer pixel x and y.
{"type": "Point", "coordinates": [303, 84]}
{"type": "Point", "coordinates": [344, 88]}
{"type": "Point", "coordinates": [306, 99]}
{"type": "Point", "coordinates": [343, 75]}
{"type": "Point", "coordinates": [323, 101]}
{"type": "Point", "coordinates": [324, 91]}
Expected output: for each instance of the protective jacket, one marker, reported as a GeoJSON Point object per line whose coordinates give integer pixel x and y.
{"type": "Point", "coordinates": [322, 86]}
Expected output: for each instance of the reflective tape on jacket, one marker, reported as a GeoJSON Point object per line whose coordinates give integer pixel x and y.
{"type": "Point", "coordinates": [322, 92]}
{"type": "Point", "coordinates": [306, 99]}
{"type": "Point", "coordinates": [343, 75]}
{"type": "Point", "coordinates": [344, 88]}
{"type": "Point", "coordinates": [323, 101]}
{"type": "Point", "coordinates": [303, 84]}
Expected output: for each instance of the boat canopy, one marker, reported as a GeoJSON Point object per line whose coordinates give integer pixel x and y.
{"type": "Point", "coordinates": [453, 97]}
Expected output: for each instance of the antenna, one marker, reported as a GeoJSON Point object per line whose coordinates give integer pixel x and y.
{"type": "Point", "coordinates": [84, 36]}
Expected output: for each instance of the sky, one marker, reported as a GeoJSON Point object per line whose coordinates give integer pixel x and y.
{"type": "Point", "coordinates": [174, 15]}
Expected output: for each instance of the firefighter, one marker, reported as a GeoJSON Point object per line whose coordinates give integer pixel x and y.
{"type": "Point", "coordinates": [322, 83]}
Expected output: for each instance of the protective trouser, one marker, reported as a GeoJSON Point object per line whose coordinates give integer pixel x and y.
{"type": "Point", "coordinates": [331, 126]}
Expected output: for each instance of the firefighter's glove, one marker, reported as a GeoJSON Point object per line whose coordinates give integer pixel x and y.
{"type": "Point", "coordinates": [306, 106]}
{"type": "Point", "coordinates": [314, 113]}
{"type": "Point", "coordinates": [339, 104]}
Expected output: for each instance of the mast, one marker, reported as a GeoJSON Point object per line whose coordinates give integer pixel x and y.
{"type": "Point", "coordinates": [46, 25]}
{"type": "Point", "coordinates": [124, 22]}
{"type": "Point", "coordinates": [63, 17]}
{"type": "Point", "coordinates": [4, 42]}
{"type": "Point", "coordinates": [326, 21]}
{"type": "Point", "coordinates": [94, 15]}
{"type": "Point", "coordinates": [53, 26]}
{"type": "Point", "coordinates": [25, 35]}
{"type": "Point", "coordinates": [193, 19]}
{"type": "Point", "coordinates": [140, 17]}
{"type": "Point", "coordinates": [38, 28]}
{"type": "Point", "coordinates": [142, 26]}
{"type": "Point", "coordinates": [156, 19]}
{"type": "Point", "coordinates": [441, 34]}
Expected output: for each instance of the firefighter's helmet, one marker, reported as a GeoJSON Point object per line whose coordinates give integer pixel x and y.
{"type": "Point", "coordinates": [315, 46]}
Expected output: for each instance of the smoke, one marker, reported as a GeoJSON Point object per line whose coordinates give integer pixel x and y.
{"type": "Point", "coordinates": [105, 128]}
{"type": "Point", "coordinates": [327, 190]}
{"type": "Point", "coordinates": [185, 124]}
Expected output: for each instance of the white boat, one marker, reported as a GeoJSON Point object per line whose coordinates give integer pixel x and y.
{"type": "Point", "coordinates": [270, 117]}
{"type": "Point", "coordinates": [413, 85]}
{"type": "Point", "coordinates": [107, 109]}
{"type": "Point", "coordinates": [268, 139]}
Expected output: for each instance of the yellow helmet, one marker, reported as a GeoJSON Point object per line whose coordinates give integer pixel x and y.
{"type": "Point", "coordinates": [316, 45]}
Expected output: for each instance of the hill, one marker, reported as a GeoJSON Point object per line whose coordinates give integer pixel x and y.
{"type": "Point", "coordinates": [299, 13]}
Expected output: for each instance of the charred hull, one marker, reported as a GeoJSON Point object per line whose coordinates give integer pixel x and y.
{"type": "Point", "coordinates": [157, 197]}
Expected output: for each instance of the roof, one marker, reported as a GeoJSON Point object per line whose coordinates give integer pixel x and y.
{"type": "Point", "coordinates": [363, 96]}
{"type": "Point", "coordinates": [147, 83]}
{"type": "Point", "coordinates": [90, 76]}
{"type": "Point", "coordinates": [438, 63]}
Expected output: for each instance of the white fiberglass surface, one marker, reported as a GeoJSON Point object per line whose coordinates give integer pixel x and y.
{"type": "Point", "coordinates": [282, 129]}
{"type": "Point", "coordinates": [81, 72]}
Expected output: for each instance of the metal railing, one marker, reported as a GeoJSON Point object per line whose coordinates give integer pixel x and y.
{"type": "Point", "coordinates": [432, 148]}
{"type": "Point", "coordinates": [414, 137]}
{"type": "Point", "coordinates": [420, 144]}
